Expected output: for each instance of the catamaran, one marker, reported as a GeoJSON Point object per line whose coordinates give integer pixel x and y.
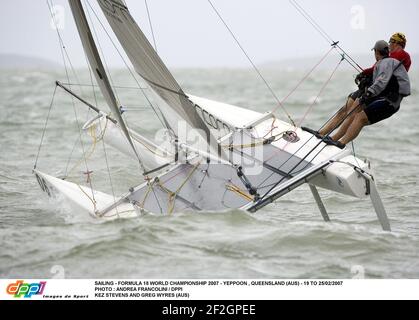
{"type": "Point", "coordinates": [218, 156]}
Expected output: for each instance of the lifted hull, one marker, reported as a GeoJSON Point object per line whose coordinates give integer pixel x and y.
{"type": "Point", "coordinates": [272, 169]}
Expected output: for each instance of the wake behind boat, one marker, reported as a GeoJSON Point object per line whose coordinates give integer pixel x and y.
{"type": "Point", "coordinates": [217, 157]}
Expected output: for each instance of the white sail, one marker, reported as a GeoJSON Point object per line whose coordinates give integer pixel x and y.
{"type": "Point", "coordinates": [97, 66]}
{"type": "Point", "coordinates": [152, 69]}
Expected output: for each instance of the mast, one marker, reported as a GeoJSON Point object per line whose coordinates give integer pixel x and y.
{"type": "Point", "coordinates": [98, 70]}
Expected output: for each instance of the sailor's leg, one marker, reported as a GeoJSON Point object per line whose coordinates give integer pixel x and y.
{"type": "Point", "coordinates": [348, 121]}
{"type": "Point", "coordinates": [333, 123]}
{"type": "Point", "coordinates": [360, 120]}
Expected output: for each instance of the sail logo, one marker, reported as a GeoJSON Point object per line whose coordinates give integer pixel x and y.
{"type": "Point", "coordinates": [27, 290]}
{"type": "Point", "coordinates": [358, 17]}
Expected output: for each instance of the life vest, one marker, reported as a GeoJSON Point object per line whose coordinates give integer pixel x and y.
{"type": "Point", "coordinates": [391, 92]}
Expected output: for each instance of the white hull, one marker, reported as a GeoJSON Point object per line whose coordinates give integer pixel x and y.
{"type": "Point", "coordinates": [82, 198]}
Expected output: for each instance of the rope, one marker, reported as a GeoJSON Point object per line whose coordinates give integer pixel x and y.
{"type": "Point", "coordinates": [324, 34]}
{"type": "Point", "coordinates": [45, 127]}
{"type": "Point", "coordinates": [92, 133]}
{"type": "Point", "coordinates": [239, 192]}
{"type": "Point", "coordinates": [320, 93]}
{"type": "Point", "coordinates": [62, 46]}
{"type": "Point", "coordinates": [102, 130]}
{"type": "Point", "coordinates": [95, 85]}
{"type": "Point", "coordinates": [291, 172]}
{"type": "Point", "coordinates": [70, 157]}
{"type": "Point", "coordinates": [91, 199]}
{"type": "Point", "coordinates": [252, 63]}
{"type": "Point", "coordinates": [292, 155]}
{"type": "Point", "coordinates": [339, 124]}
{"type": "Point", "coordinates": [150, 187]}
{"type": "Point", "coordinates": [172, 195]}
{"type": "Point", "coordinates": [305, 77]}
{"type": "Point", "coordinates": [256, 144]}
{"type": "Point", "coordinates": [306, 114]}
{"type": "Point", "coordinates": [205, 174]}
{"type": "Point", "coordinates": [64, 54]}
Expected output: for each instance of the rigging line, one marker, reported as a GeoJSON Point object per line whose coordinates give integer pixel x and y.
{"type": "Point", "coordinates": [163, 122]}
{"type": "Point", "coordinates": [346, 107]}
{"type": "Point", "coordinates": [45, 127]}
{"type": "Point", "coordinates": [292, 169]}
{"type": "Point", "coordinates": [304, 78]}
{"type": "Point", "coordinates": [95, 85]}
{"type": "Point", "coordinates": [108, 168]}
{"type": "Point", "coordinates": [327, 135]}
{"type": "Point", "coordinates": [151, 25]}
{"type": "Point", "coordinates": [323, 33]}
{"type": "Point", "coordinates": [116, 101]}
{"type": "Point", "coordinates": [356, 109]}
{"type": "Point", "coordinates": [61, 41]}
{"type": "Point", "coordinates": [157, 199]}
{"type": "Point", "coordinates": [63, 49]}
{"type": "Point", "coordinates": [286, 161]}
{"type": "Point", "coordinates": [324, 86]}
{"type": "Point", "coordinates": [295, 172]}
{"type": "Point", "coordinates": [320, 93]}
{"type": "Point", "coordinates": [310, 20]}
{"type": "Point", "coordinates": [305, 115]}
{"type": "Point", "coordinates": [176, 192]}
{"type": "Point", "coordinates": [70, 158]}
{"type": "Point", "coordinates": [150, 188]}
{"type": "Point", "coordinates": [204, 175]}
{"type": "Point", "coordinates": [347, 55]}
{"type": "Point", "coordinates": [103, 135]}
{"type": "Point", "coordinates": [252, 63]}
{"type": "Point", "coordinates": [353, 151]}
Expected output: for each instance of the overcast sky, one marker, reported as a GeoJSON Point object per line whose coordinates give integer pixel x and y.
{"type": "Point", "coordinates": [189, 34]}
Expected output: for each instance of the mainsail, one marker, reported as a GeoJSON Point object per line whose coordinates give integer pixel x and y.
{"type": "Point", "coordinates": [151, 68]}
{"type": "Point", "coordinates": [98, 69]}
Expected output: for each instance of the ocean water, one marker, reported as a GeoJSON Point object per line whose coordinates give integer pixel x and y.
{"type": "Point", "coordinates": [45, 238]}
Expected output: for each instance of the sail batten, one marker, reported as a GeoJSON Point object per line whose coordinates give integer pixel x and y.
{"type": "Point", "coordinates": [96, 64]}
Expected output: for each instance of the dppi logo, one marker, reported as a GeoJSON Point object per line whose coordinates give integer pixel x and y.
{"type": "Point", "coordinates": [27, 290]}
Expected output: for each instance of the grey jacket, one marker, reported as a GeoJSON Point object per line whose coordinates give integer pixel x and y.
{"type": "Point", "coordinates": [383, 71]}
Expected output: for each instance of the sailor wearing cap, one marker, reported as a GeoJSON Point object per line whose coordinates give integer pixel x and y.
{"type": "Point", "coordinates": [382, 99]}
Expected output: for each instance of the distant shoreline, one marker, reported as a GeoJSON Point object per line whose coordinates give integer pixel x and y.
{"type": "Point", "coordinates": [17, 61]}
